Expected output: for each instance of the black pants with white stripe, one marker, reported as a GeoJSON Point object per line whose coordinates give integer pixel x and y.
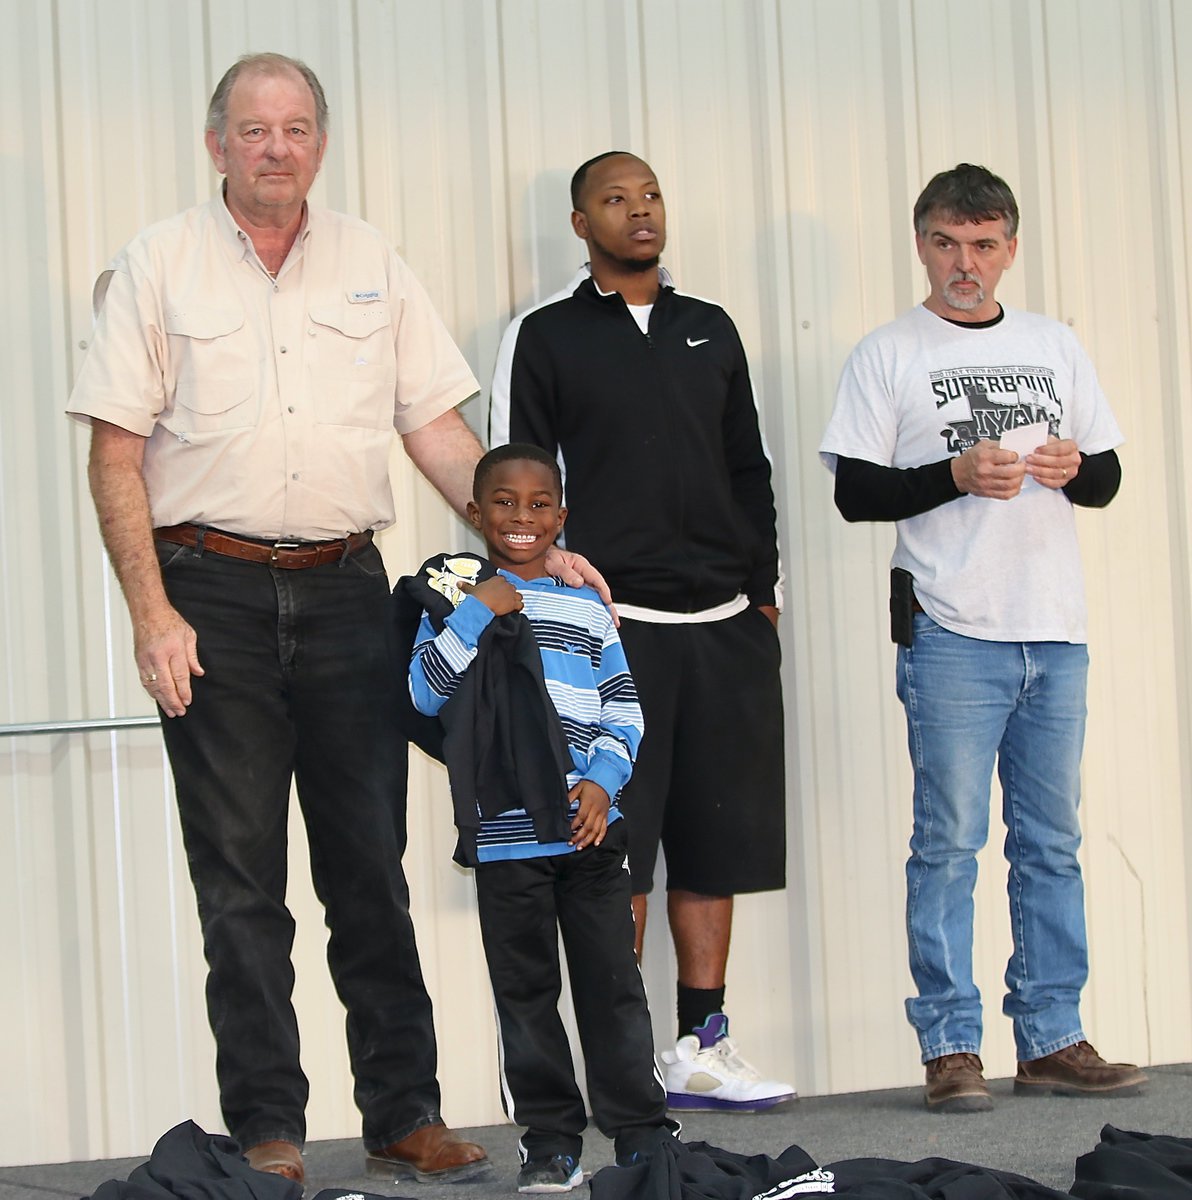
{"type": "Point", "coordinates": [523, 905]}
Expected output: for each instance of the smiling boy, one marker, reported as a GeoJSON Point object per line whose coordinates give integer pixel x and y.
{"type": "Point", "coordinates": [528, 889]}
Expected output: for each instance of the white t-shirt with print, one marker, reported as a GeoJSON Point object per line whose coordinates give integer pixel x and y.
{"type": "Point", "coordinates": [921, 389]}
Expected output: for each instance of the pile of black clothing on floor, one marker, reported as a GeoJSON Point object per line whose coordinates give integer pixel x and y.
{"type": "Point", "coordinates": [1123, 1166]}
{"type": "Point", "coordinates": [188, 1164]}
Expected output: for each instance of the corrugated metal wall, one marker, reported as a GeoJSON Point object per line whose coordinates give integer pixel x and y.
{"type": "Point", "coordinates": [791, 137]}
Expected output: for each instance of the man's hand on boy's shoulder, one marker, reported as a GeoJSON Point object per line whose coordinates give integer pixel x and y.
{"type": "Point", "coordinates": [575, 571]}
{"type": "Point", "coordinates": [496, 593]}
{"type": "Point", "coordinates": [591, 822]}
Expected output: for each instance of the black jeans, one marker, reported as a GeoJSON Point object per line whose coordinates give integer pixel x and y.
{"type": "Point", "coordinates": [524, 905]}
{"type": "Point", "coordinates": [300, 685]}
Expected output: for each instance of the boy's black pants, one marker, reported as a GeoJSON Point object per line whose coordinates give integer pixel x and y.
{"type": "Point", "coordinates": [524, 903]}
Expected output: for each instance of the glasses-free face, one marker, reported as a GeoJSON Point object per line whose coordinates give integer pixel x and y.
{"type": "Point", "coordinates": [622, 216]}
{"type": "Point", "coordinates": [271, 150]}
{"type": "Point", "coordinates": [964, 265]}
{"type": "Point", "coordinates": [519, 515]}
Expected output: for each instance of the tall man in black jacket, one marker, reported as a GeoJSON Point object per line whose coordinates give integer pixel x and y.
{"type": "Point", "coordinates": [644, 395]}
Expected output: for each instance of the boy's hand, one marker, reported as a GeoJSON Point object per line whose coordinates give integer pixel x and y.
{"type": "Point", "coordinates": [591, 822]}
{"type": "Point", "coordinates": [496, 593]}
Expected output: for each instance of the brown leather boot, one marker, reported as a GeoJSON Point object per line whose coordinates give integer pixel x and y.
{"type": "Point", "coordinates": [955, 1085]}
{"type": "Point", "coordinates": [431, 1154]}
{"type": "Point", "coordinates": [1078, 1071]}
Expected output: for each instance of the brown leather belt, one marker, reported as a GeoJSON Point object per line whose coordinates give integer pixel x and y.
{"type": "Point", "coordinates": [284, 553]}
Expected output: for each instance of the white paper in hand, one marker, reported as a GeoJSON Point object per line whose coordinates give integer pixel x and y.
{"type": "Point", "coordinates": [1025, 439]}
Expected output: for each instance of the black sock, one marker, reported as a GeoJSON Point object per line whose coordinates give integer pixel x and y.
{"type": "Point", "coordinates": [695, 1005]}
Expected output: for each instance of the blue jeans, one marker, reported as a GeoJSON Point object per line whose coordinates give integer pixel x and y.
{"type": "Point", "coordinates": [969, 702]}
{"type": "Point", "coordinates": [300, 684]}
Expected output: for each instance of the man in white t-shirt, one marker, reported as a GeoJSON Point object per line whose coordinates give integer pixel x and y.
{"type": "Point", "coordinates": [976, 428]}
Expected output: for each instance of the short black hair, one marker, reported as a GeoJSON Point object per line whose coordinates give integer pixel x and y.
{"type": "Point", "coordinates": [515, 452]}
{"type": "Point", "coordinates": [581, 174]}
{"type": "Point", "coordinates": [968, 195]}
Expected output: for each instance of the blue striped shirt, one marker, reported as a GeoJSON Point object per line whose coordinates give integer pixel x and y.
{"type": "Point", "coordinates": [587, 679]}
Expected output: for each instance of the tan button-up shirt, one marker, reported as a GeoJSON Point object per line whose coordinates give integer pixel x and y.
{"type": "Point", "coordinates": [269, 405]}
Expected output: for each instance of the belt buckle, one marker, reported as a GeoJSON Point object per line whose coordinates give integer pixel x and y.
{"type": "Point", "coordinates": [283, 545]}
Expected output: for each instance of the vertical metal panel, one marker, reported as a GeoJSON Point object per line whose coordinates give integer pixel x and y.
{"type": "Point", "coordinates": [572, 89]}
{"type": "Point", "coordinates": [790, 137]}
{"type": "Point", "coordinates": [1107, 151]}
{"type": "Point", "coordinates": [1171, 127]}
{"type": "Point", "coordinates": [844, 131]}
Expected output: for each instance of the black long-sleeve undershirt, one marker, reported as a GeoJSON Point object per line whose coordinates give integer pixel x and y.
{"type": "Point", "coordinates": [866, 491]}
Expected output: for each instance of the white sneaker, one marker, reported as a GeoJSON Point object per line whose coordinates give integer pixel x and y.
{"type": "Point", "coordinates": [704, 1073]}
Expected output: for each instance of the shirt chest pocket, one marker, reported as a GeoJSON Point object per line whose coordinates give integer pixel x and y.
{"type": "Point", "coordinates": [214, 376]}
{"type": "Point", "coordinates": [352, 370]}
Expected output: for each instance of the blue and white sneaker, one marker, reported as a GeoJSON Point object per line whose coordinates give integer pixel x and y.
{"type": "Point", "coordinates": [704, 1073]}
{"type": "Point", "coordinates": [560, 1173]}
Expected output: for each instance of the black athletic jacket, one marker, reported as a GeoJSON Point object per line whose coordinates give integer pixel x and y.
{"type": "Point", "coordinates": [667, 479]}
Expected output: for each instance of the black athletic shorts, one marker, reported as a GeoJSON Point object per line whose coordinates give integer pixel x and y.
{"type": "Point", "coordinates": [709, 779]}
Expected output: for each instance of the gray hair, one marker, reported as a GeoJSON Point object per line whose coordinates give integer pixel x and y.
{"type": "Point", "coordinates": [967, 195]}
{"type": "Point", "coordinates": [262, 64]}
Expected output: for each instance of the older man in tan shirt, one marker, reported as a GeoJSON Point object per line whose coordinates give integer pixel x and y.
{"type": "Point", "coordinates": [251, 360]}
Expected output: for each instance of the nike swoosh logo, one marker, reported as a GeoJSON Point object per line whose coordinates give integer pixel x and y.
{"type": "Point", "coordinates": [698, 342]}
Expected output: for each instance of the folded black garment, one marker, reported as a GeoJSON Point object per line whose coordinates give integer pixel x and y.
{"type": "Point", "coordinates": [189, 1164]}
{"type": "Point", "coordinates": [499, 734]}
{"type": "Point", "coordinates": [1135, 1166]}
{"type": "Point", "coordinates": [697, 1171]}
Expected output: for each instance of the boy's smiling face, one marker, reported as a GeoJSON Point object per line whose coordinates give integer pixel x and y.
{"type": "Point", "coordinates": [519, 514]}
